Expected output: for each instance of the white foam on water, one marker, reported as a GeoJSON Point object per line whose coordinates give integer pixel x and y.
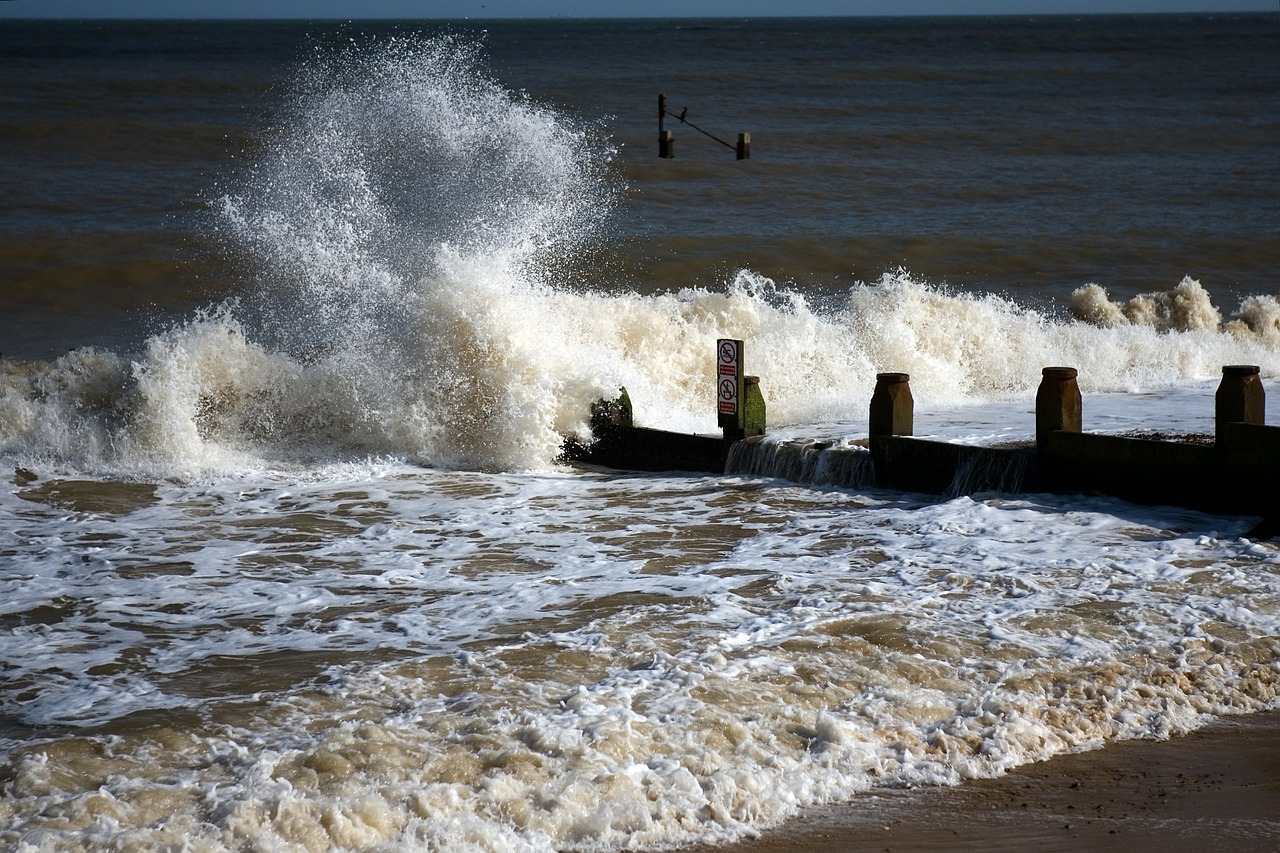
{"type": "Point", "coordinates": [527, 362]}
{"type": "Point", "coordinates": [412, 658]}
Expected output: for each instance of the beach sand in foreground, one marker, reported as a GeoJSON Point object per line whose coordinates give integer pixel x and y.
{"type": "Point", "coordinates": [1217, 789]}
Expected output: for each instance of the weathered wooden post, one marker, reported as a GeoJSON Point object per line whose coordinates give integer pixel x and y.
{"type": "Point", "coordinates": [744, 146]}
{"type": "Point", "coordinates": [1240, 397]}
{"type": "Point", "coordinates": [729, 382]}
{"type": "Point", "coordinates": [609, 416]}
{"type": "Point", "coordinates": [753, 407]}
{"type": "Point", "coordinates": [739, 402]}
{"type": "Point", "coordinates": [666, 145]}
{"type": "Point", "coordinates": [892, 407]}
{"type": "Point", "coordinates": [1057, 403]}
{"type": "Point", "coordinates": [666, 142]}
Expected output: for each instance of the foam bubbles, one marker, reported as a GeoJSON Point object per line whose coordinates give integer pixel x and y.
{"type": "Point", "coordinates": [1258, 316]}
{"type": "Point", "coordinates": [1187, 307]}
{"type": "Point", "coordinates": [397, 656]}
{"type": "Point", "coordinates": [497, 369]}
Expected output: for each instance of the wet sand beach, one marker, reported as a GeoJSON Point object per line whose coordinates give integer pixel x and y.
{"type": "Point", "coordinates": [1216, 789]}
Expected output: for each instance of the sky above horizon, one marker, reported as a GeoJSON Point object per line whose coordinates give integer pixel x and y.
{"type": "Point", "coordinates": [356, 9]}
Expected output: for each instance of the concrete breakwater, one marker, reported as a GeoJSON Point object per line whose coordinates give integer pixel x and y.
{"type": "Point", "coordinates": [1237, 470]}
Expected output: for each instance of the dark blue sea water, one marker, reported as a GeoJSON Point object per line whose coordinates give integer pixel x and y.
{"type": "Point", "coordinates": [1020, 155]}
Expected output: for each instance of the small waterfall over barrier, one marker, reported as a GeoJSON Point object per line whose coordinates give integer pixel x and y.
{"type": "Point", "coordinates": [819, 463]}
{"type": "Point", "coordinates": [941, 468]}
{"type": "Point", "coordinates": [994, 469]}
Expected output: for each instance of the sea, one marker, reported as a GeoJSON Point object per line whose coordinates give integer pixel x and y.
{"type": "Point", "coordinates": [296, 316]}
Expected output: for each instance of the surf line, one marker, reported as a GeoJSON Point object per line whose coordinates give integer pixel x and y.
{"type": "Point", "coordinates": [1226, 472]}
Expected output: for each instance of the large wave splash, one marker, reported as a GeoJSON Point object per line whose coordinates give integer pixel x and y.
{"type": "Point", "coordinates": [517, 368]}
{"type": "Point", "coordinates": [408, 219]}
{"type": "Point", "coordinates": [402, 226]}
{"type": "Point", "coordinates": [412, 224]}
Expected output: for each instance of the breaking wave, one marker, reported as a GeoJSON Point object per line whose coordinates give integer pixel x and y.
{"type": "Point", "coordinates": [1188, 307]}
{"type": "Point", "coordinates": [412, 226]}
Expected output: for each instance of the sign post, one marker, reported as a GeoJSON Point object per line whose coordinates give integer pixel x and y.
{"type": "Point", "coordinates": [729, 387]}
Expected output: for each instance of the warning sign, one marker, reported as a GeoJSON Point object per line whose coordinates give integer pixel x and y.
{"type": "Point", "coordinates": [728, 353]}
{"type": "Point", "coordinates": [728, 395]}
{"type": "Point", "coordinates": [728, 380]}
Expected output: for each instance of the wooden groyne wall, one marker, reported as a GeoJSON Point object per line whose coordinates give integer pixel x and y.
{"type": "Point", "coordinates": [1235, 471]}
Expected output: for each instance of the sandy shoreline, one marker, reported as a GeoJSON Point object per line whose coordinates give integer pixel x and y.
{"type": "Point", "coordinates": [1217, 789]}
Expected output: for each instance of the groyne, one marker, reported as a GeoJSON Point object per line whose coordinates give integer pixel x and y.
{"type": "Point", "coordinates": [1234, 471]}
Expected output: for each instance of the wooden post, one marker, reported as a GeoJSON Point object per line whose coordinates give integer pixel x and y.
{"type": "Point", "coordinates": [744, 146]}
{"type": "Point", "coordinates": [892, 407]}
{"type": "Point", "coordinates": [753, 406]}
{"type": "Point", "coordinates": [1057, 403]}
{"type": "Point", "coordinates": [666, 145]}
{"type": "Point", "coordinates": [609, 416]}
{"type": "Point", "coordinates": [729, 387]}
{"type": "Point", "coordinates": [666, 142]}
{"type": "Point", "coordinates": [1240, 397]}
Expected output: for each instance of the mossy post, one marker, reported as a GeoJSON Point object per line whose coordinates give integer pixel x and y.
{"type": "Point", "coordinates": [1240, 398]}
{"type": "Point", "coordinates": [1058, 405]}
{"type": "Point", "coordinates": [610, 416]}
{"type": "Point", "coordinates": [744, 146]}
{"type": "Point", "coordinates": [892, 407]}
{"type": "Point", "coordinates": [752, 407]}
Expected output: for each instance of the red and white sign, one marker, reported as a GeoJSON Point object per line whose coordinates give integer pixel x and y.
{"type": "Point", "coordinates": [728, 351]}
{"type": "Point", "coordinates": [728, 375]}
{"type": "Point", "coordinates": [728, 395]}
